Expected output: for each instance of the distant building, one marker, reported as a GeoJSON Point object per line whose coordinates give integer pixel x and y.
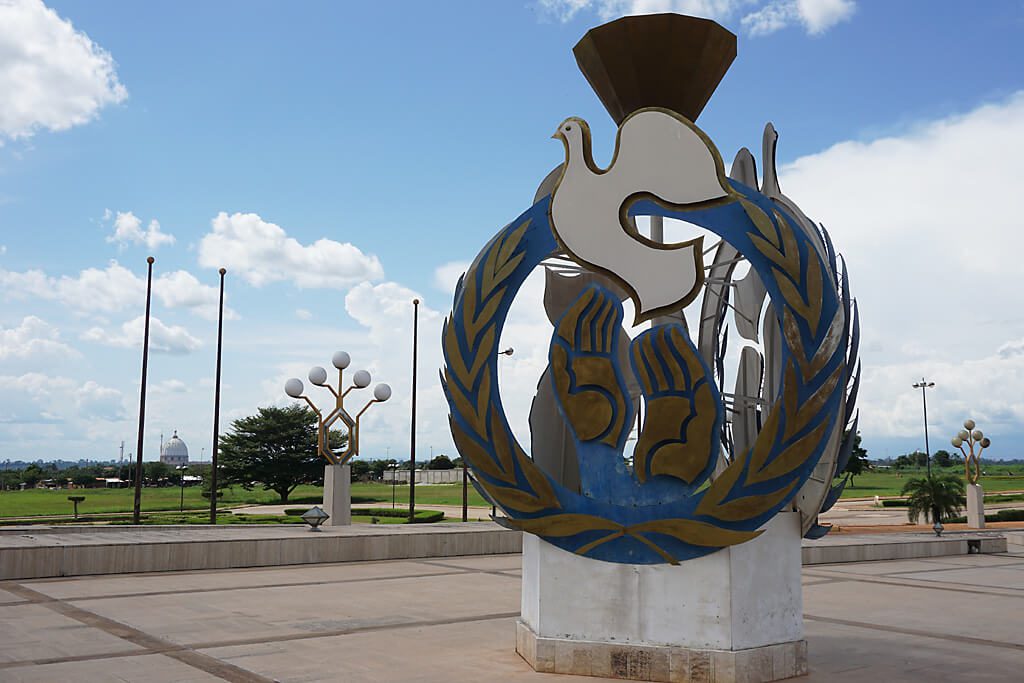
{"type": "Point", "coordinates": [174, 452]}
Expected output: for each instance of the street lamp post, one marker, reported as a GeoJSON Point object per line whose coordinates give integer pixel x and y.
{"type": "Point", "coordinates": [338, 502]}
{"type": "Point", "coordinates": [137, 510]}
{"type": "Point", "coordinates": [924, 386]}
{"type": "Point", "coordinates": [216, 405]}
{"type": "Point", "coordinates": [412, 427]}
{"type": "Point", "coordinates": [394, 481]}
{"type": "Point", "coordinates": [182, 469]}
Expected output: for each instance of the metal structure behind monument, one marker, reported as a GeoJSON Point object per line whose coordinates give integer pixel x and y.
{"type": "Point", "coordinates": [709, 510]}
{"type": "Point", "coordinates": [337, 473]}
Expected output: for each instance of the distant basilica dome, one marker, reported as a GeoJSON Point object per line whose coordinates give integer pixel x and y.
{"type": "Point", "coordinates": [174, 451]}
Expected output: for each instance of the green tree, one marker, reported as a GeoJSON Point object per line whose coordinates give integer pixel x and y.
{"type": "Point", "coordinates": [275, 449]}
{"type": "Point", "coordinates": [940, 496]}
{"type": "Point", "coordinates": [360, 469]}
{"type": "Point", "coordinates": [441, 462]}
{"type": "Point", "coordinates": [943, 458]}
{"type": "Point", "coordinates": [858, 460]}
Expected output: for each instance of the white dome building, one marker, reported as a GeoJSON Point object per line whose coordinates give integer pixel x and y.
{"type": "Point", "coordinates": [174, 452]}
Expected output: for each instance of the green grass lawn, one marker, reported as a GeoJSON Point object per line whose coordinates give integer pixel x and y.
{"type": "Point", "coordinates": [45, 503]}
{"type": "Point", "coordinates": [890, 482]}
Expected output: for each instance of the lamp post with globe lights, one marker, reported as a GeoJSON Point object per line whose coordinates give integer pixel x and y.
{"type": "Point", "coordinates": [337, 474]}
{"type": "Point", "coordinates": [973, 438]}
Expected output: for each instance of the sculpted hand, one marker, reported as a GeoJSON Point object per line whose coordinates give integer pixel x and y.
{"type": "Point", "coordinates": [680, 431]}
{"type": "Point", "coordinates": [590, 391]}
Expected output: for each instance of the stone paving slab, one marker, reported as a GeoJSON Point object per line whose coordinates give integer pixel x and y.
{"type": "Point", "coordinates": [452, 620]}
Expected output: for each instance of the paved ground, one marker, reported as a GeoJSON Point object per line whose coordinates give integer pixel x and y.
{"type": "Point", "coordinates": [451, 620]}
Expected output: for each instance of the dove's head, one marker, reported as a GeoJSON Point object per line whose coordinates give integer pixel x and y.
{"type": "Point", "coordinates": [575, 135]}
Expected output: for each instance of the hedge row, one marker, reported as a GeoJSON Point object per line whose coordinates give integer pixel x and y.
{"type": "Point", "coordinates": [998, 516]}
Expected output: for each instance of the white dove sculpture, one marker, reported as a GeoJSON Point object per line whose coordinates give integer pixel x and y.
{"type": "Point", "coordinates": [658, 155]}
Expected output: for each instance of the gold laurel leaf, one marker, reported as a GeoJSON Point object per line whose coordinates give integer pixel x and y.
{"type": "Point", "coordinates": [501, 445]}
{"type": "Point", "coordinates": [792, 457]}
{"type": "Point", "coordinates": [693, 532]}
{"type": "Point", "coordinates": [516, 499]}
{"type": "Point", "coordinates": [466, 408]}
{"type": "Point", "coordinates": [565, 524]}
{"type": "Point", "coordinates": [749, 507]}
{"type": "Point", "coordinates": [761, 221]}
{"type": "Point", "coordinates": [537, 479]}
{"type": "Point", "coordinates": [454, 358]}
{"type": "Point", "coordinates": [475, 455]}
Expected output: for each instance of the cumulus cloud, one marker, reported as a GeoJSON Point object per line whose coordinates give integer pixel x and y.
{"type": "Point", "coordinates": [34, 339]}
{"type": "Point", "coordinates": [34, 398]}
{"type": "Point", "coordinates": [163, 338]}
{"type": "Point", "coordinates": [926, 222]}
{"type": "Point", "coordinates": [446, 276]}
{"type": "Point", "coordinates": [262, 253]}
{"type": "Point", "coordinates": [114, 289]}
{"type": "Point", "coordinates": [128, 230]}
{"type": "Point", "coordinates": [303, 314]}
{"type": "Point", "coordinates": [52, 76]}
{"type": "Point", "coordinates": [816, 16]}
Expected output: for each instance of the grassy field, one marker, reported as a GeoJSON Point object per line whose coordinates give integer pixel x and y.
{"type": "Point", "coordinates": [890, 483]}
{"type": "Point", "coordinates": [46, 503]}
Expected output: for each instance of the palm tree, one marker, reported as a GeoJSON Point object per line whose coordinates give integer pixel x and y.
{"type": "Point", "coordinates": [941, 496]}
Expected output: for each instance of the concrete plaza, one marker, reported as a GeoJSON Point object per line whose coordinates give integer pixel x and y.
{"type": "Point", "coordinates": [452, 619]}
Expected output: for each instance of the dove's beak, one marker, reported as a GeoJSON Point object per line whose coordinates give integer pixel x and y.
{"type": "Point", "coordinates": [557, 135]}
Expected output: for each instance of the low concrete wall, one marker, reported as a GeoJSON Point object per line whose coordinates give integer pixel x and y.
{"type": "Point", "coordinates": [39, 552]}
{"type": "Point", "coordinates": [48, 555]}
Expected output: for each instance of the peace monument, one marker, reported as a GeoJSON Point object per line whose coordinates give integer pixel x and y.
{"type": "Point", "coordinates": [676, 556]}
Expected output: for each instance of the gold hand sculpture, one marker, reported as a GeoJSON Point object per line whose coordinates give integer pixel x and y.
{"type": "Point", "coordinates": [591, 393]}
{"type": "Point", "coordinates": [679, 436]}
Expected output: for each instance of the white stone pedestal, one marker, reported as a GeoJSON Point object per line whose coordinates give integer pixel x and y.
{"type": "Point", "coordinates": [338, 494]}
{"type": "Point", "coordinates": [975, 506]}
{"type": "Point", "coordinates": [734, 615]}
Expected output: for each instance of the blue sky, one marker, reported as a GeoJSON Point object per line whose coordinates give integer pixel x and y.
{"type": "Point", "coordinates": [341, 158]}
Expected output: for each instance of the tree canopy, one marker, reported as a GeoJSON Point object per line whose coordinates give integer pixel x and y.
{"type": "Point", "coordinates": [275, 448]}
{"type": "Point", "coordinates": [858, 459]}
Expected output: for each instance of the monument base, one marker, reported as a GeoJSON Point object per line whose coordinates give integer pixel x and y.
{"type": "Point", "coordinates": [338, 494]}
{"type": "Point", "coordinates": [975, 506]}
{"type": "Point", "coordinates": [661, 662]}
{"type": "Point", "coordinates": [734, 615]}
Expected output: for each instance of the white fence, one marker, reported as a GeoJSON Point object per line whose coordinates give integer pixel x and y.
{"type": "Point", "coordinates": [426, 476]}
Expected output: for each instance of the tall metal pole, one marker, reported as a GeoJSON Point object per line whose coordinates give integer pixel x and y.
{"type": "Point", "coordinates": [216, 405]}
{"type": "Point", "coordinates": [924, 386]}
{"type": "Point", "coordinates": [465, 491]}
{"type": "Point", "coordinates": [136, 512]}
{"type": "Point", "coordinates": [412, 434]}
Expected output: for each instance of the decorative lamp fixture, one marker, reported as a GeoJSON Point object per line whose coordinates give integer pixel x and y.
{"type": "Point", "coordinates": [326, 419]}
{"type": "Point", "coordinates": [314, 517]}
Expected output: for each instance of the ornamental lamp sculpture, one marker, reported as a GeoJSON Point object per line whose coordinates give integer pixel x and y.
{"type": "Point", "coordinates": [337, 474]}
{"type": "Point", "coordinates": [976, 442]}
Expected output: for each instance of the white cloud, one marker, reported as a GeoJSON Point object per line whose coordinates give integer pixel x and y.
{"type": "Point", "coordinates": [33, 339]}
{"type": "Point", "coordinates": [34, 398]}
{"type": "Point", "coordinates": [446, 276]}
{"type": "Point", "coordinates": [162, 338]}
{"type": "Point", "coordinates": [303, 314]}
{"type": "Point", "coordinates": [816, 16]}
{"type": "Point", "coordinates": [128, 230]}
{"type": "Point", "coordinates": [926, 222]}
{"type": "Point", "coordinates": [170, 386]}
{"type": "Point", "coordinates": [52, 77]}
{"type": "Point", "coordinates": [262, 252]}
{"type": "Point", "coordinates": [114, 289]}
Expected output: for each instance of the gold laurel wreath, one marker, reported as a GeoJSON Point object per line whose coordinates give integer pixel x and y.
{"type": "Point", "coordinates": [788, 419]}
